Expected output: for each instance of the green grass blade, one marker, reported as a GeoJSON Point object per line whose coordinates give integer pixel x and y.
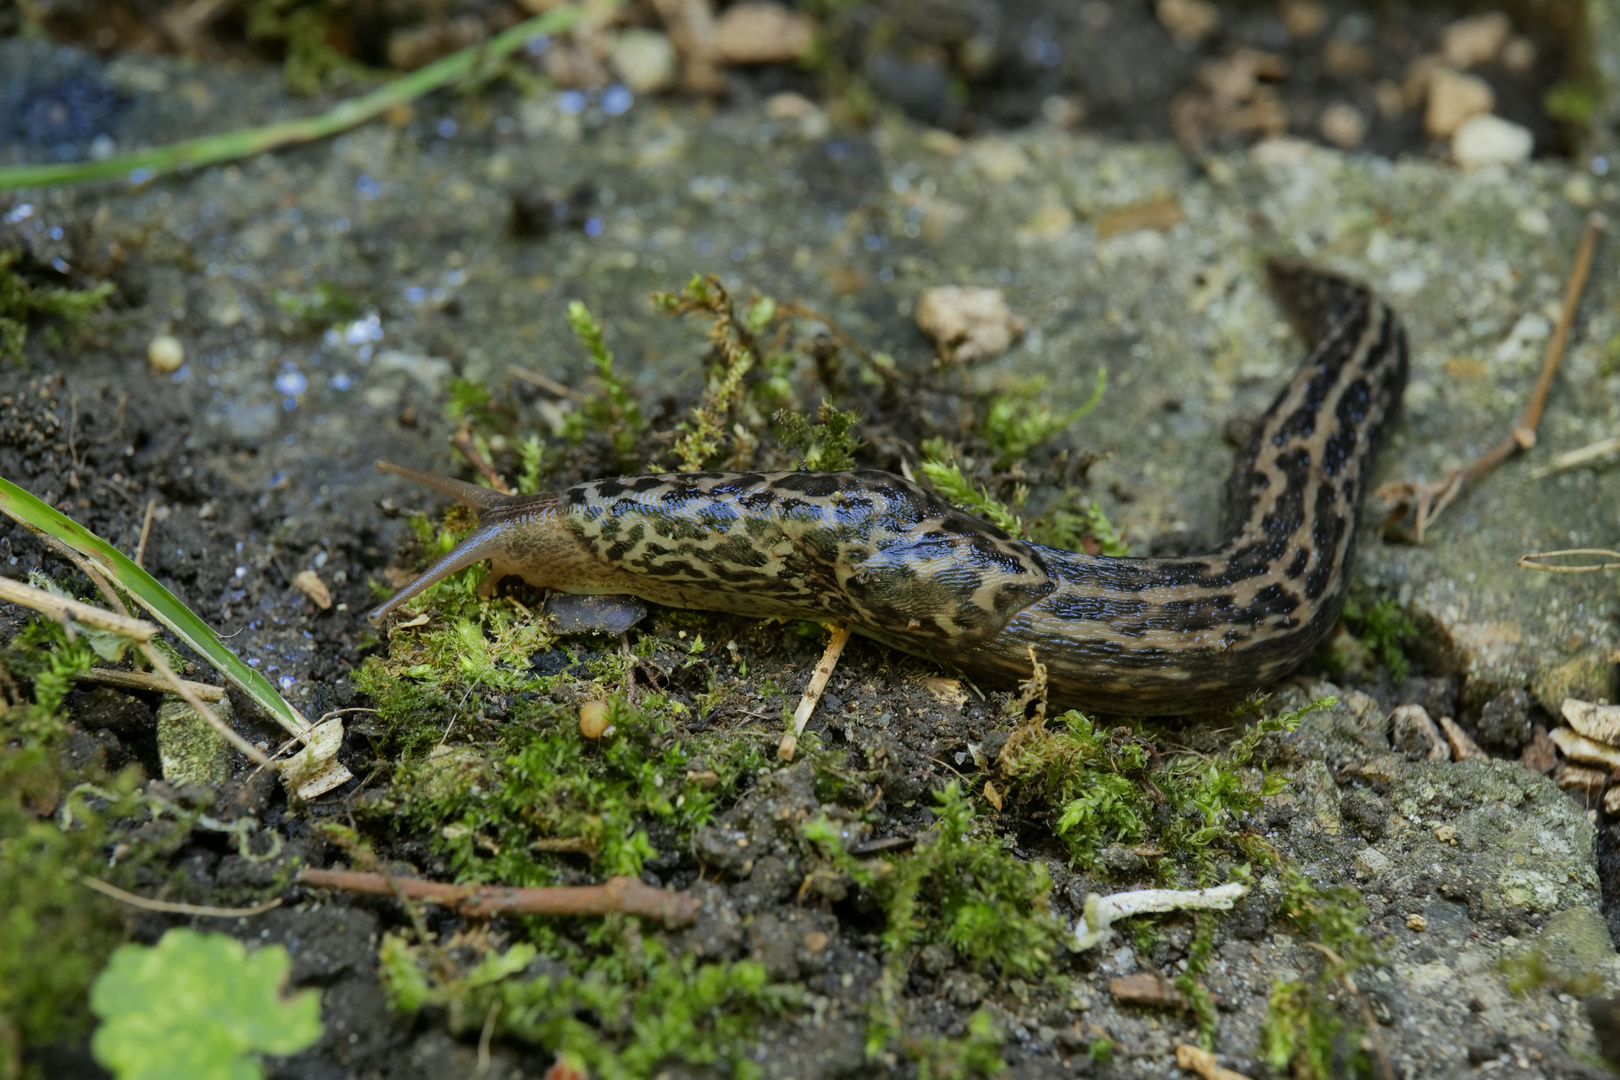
{"type": "Point", "coordinates": [245, 142]}
{"type": "Point", "coordinates": [39, 517]}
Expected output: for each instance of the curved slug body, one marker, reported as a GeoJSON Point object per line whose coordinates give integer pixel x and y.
{"type": "Point", "coordinates": [894, 562]}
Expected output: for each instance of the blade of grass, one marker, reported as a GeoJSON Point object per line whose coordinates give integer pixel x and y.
{"type": "Point", "coordinates": [44, 520]}
{"type": "Point", "coordinates": [245, 142]}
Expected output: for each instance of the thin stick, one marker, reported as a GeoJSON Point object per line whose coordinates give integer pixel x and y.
{"type": "Point", "coordinates": [463, 441]}
{"type": "Point", "coordinates": [141, 680]}
{"type": "Point", "coordinates": [549, 385]}
{"type": "Point", "coordinates": [246, 142]}
{"type": "Point", "coordinates": [618, 895]}
{"type": "Point", "coordinates": [1367, 1016]}
{"type": "Point", "coordinates": [62, 609]}
{"type": "Point", "coordinates": [812, 693]}
{"type": "Point", "coordinates": [1571, 458]}
{"type": "Point", "coordinates": [170, 908]}
{"type": "Point", "coordinates": [146, 531]}
{"type": "Point", "coordinates": [1528, 562]}
{"type": "Point", "coordinates": [1429, 500]}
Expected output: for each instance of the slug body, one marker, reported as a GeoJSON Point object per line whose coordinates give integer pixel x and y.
{"type": "Point", "coordinates": [896, 563]}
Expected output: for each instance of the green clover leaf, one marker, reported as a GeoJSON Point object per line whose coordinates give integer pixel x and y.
{"type": "Point", "coordinates": [198, 1007]}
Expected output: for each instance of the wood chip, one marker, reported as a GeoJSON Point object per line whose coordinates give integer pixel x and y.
{"type": "Point", "coordinates": [1160, 214]}
{"type": "Point", "coordinates": [1611, 801]}
{"type": "Point", "coordinates": [1462, 744]}
{"type": "Point", "coordinates": [991, 795]}
{"type": "Point", "coordinates": [1598, 722]}
{"type": "Point", "coordinates": [1201, 1061]}
{"type": "Point", "coordinates": [1539, 754]}
{"type": "Point", "coordinates": [1588, 782]}
{"type": "Point", "coordinates": [1147, 988]}
{"type": "Point", "coordinates": [310, 584]}
{"type": "Point", "coordinates": [1578, 747]}
{"type": "Point", "coordinates": [945, 690]}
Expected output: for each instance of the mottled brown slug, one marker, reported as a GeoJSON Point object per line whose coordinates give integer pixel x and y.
{"type": "Point", "coordinates": [900, 565]}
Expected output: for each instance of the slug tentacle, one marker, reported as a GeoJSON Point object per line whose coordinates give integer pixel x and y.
{"type": "Point", "coordinates": [898, 564]}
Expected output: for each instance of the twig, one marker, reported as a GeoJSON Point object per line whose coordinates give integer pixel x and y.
{"type": "Point", "coordinates": [146, 531]}
{"type": "Point", "coordinates": [549, 385]}
{"type": "Point", "coordinates": [1527, 561]}
{"type": "Point", "coordinates": [62, 609]}
{"type": "Point", "coordinates": [171, 908]}
{"type": "Point", "coordinates": [812, 693]}
{"type": "Point", "coordinates": [463, 441]}
{"type": "Point", "coordinates": [140, 680]}
{"type": "Point", "coordinates": [1197, 1059]}
{"type": "Point", "coordinates": [618, 895]}
{"type": "Point", "coordinates": [246, 142]}
{"type": "Point", "coordinates": [1367, 1016]}
{"type": "Point", "coordinates": [1571, 458]}
{"type": "Point", "coordinates": [1429, 500]}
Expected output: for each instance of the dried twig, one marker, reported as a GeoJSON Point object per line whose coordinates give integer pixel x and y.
{"type": "Point", "coordinates": [463, 441]}
{"type": "Point", "coordinates": [63, 610]}
{"type": "Point", "coordinates": [169, 907]}
{"type": "Point", "coordinates": [618, 895]}
{"type": "Point", "coordinates": [812, 693]}
{"type": "Point", "coordinates": [1528, 562]}
{"type": "Point", "coordinates": [1427, 500]}
{"type": "Point", "coordinates": [146, 531]}
{"type": "Point", "coordinates": [1571, 458]}
{"type": "Point", "coordinates": [141, 680]}
{"type": "Point", "coordinates": [549, 385]}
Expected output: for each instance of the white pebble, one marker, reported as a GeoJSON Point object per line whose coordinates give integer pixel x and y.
{"type": "Point", "coordinates": [1490, 140]}
{"type": "Point", "coordinates": [165, 354]}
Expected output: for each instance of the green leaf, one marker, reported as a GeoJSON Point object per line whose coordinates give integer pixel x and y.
{"type": "Point", "coordinates": [198, 1007]}
{"type": "Point", "coordinates": [42, 519]}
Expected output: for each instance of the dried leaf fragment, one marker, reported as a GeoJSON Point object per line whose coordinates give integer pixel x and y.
{"type": "Point", "coordinates": [310, 584]}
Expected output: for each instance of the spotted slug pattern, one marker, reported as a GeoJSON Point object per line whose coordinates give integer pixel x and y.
{"type": "Point", "coordinates": [898, 564]}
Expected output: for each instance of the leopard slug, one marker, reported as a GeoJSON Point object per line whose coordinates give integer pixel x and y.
{"type": "Point", "coordinates": [896, 563]}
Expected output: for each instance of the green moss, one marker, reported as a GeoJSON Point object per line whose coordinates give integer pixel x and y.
{"type": "Point", "coordinates": [1383, 627]}
{"type": "Point", "coordinates": [1113, 787]}
{"type": "Point", "coordinates": [23, 303]}
{"type": "Point", "coordinates": [828, 444]}
{"type": "Point", "coordinates": [327, 303]}
{"type": "Point", "coordinates": [305, 29]}
{"type": "Point", "coordinates": [619, 1009]}
{"type": "Point", "coordinates": [939, 465]}
{"type": "Point", "coordinates": [1304, 1019]}
{"type": "Point", "coordinates": [614, 411]}
{"type": "Point", "coordinates": [1019, 420]}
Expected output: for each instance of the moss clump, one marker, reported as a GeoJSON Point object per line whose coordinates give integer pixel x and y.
{"type": "Point", "coordinates": [1383, 627]}
{"type": "Point", "coordinates": [1304, 1029]}
{"type": "Point", "coordinates": [1114, 787]}
{"type": "Point", "coordinates": [23, 303]}
{"type": "Point", "coordinates": [619, 1008]}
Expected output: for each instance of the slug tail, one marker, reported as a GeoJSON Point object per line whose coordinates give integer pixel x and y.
{"type": "Point", "coordinates": [1315, 300]}
{"type": "Point", "coordinates": [485, 542]}
{"type": "Point", "coordinates": [480, 499]}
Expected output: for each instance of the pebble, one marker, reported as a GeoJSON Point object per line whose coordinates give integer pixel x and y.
{"type": "Point", "coordinates": [644, 60]}
{"type": "Point", "coordinates": [1343, 126]}
{"type": "Point", "coordinates": [1415, 734]}
{"type": "Point", "coordinates": [1189, 21]}
{"type": "Point", "coordinates": [1519, 56]}
{"type": "Point", "coordinates": [967, 323]}
{"type": "Point", "coordinates": [1454, 99]}
{"type": "Point", "coordinates": [762, 33]}
{"type": "Point", "coordinates": [1490, 140]}
{"type": "Point", "coordinates": [310, 584]}
{"type": "Point", "coordinates": [593, 719]}
{"type": "Point", "coordinates": [1476, 39]}
{"type": "Point", "coordinates": [1303, 18]}
{"type": "Point", "coordinates": [165, 354]}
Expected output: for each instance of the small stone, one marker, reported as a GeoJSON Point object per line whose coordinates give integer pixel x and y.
{"type": "Point", "coordinates": [1462, 744]}
{"type": "Point", "coordinates": [1189, 21]}
{"type": "Point", "coordinates": [1539, 754]}
{"type": "Point", "coordinates": [1389, 98]}
{"type": "Point", "coordinates": [1490, 140]}
{"type": "Point", "coordinates": [1505, 721]}
{"type": "Point", "coordinates": [1453, 100]}
{"type": "Point", "coordinates": [1147, 988]}
{"type": "Point", "coordinates": [1446, 834]}
{"type": "Point", "coordinates": [190, 749]}
{"type": "Point", "coordinates": [1347, 60]}
{"type": "Point", "coordinates": [593, 719]}
{"type": "Point", "coordinates": [1063, 111]}
{"type": "Point", "coordinates": [1578, 747]}
{"type": "Point", "coordinates": [310, 584]}
{"type": "Point", "coordinates": [790, 106]}
{"type": "Point", "coordinates": [1416, 736]}
{"type": "Point", "coordinates": [1611, 801]}
{"type": "Point", "coordinates": [815, 942]}
{"type": "Point", "coordinates": [1476, 39]}
{"type": "Point", "coordinates": [645, 60]}
{"type": "Point", "coordinates": [1371, 863]}
{"type": "Point", "coordinates": [1598, 722]}
{"type": "Point", "coordinates": [1519, 56]}
{"type": "Point", "coordinates": [1158, 214]}
{"type": "Point", "coordinates": [1417, 922]}
{"type": "Point", "coordinates": [1579, 778]}
{"type": "Point", "coordinates": [165, 354]}
{"type": "Point", "coordinates": [967, 324]}
{"type": "Point", "coordinates": [999, 160]}
{"type": "Point", "coordinates": [1303, 18]}
{"type": "Point", "coordinates": [1343, 126]}
{"type": "Point", "coordinates": [762, 33]}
